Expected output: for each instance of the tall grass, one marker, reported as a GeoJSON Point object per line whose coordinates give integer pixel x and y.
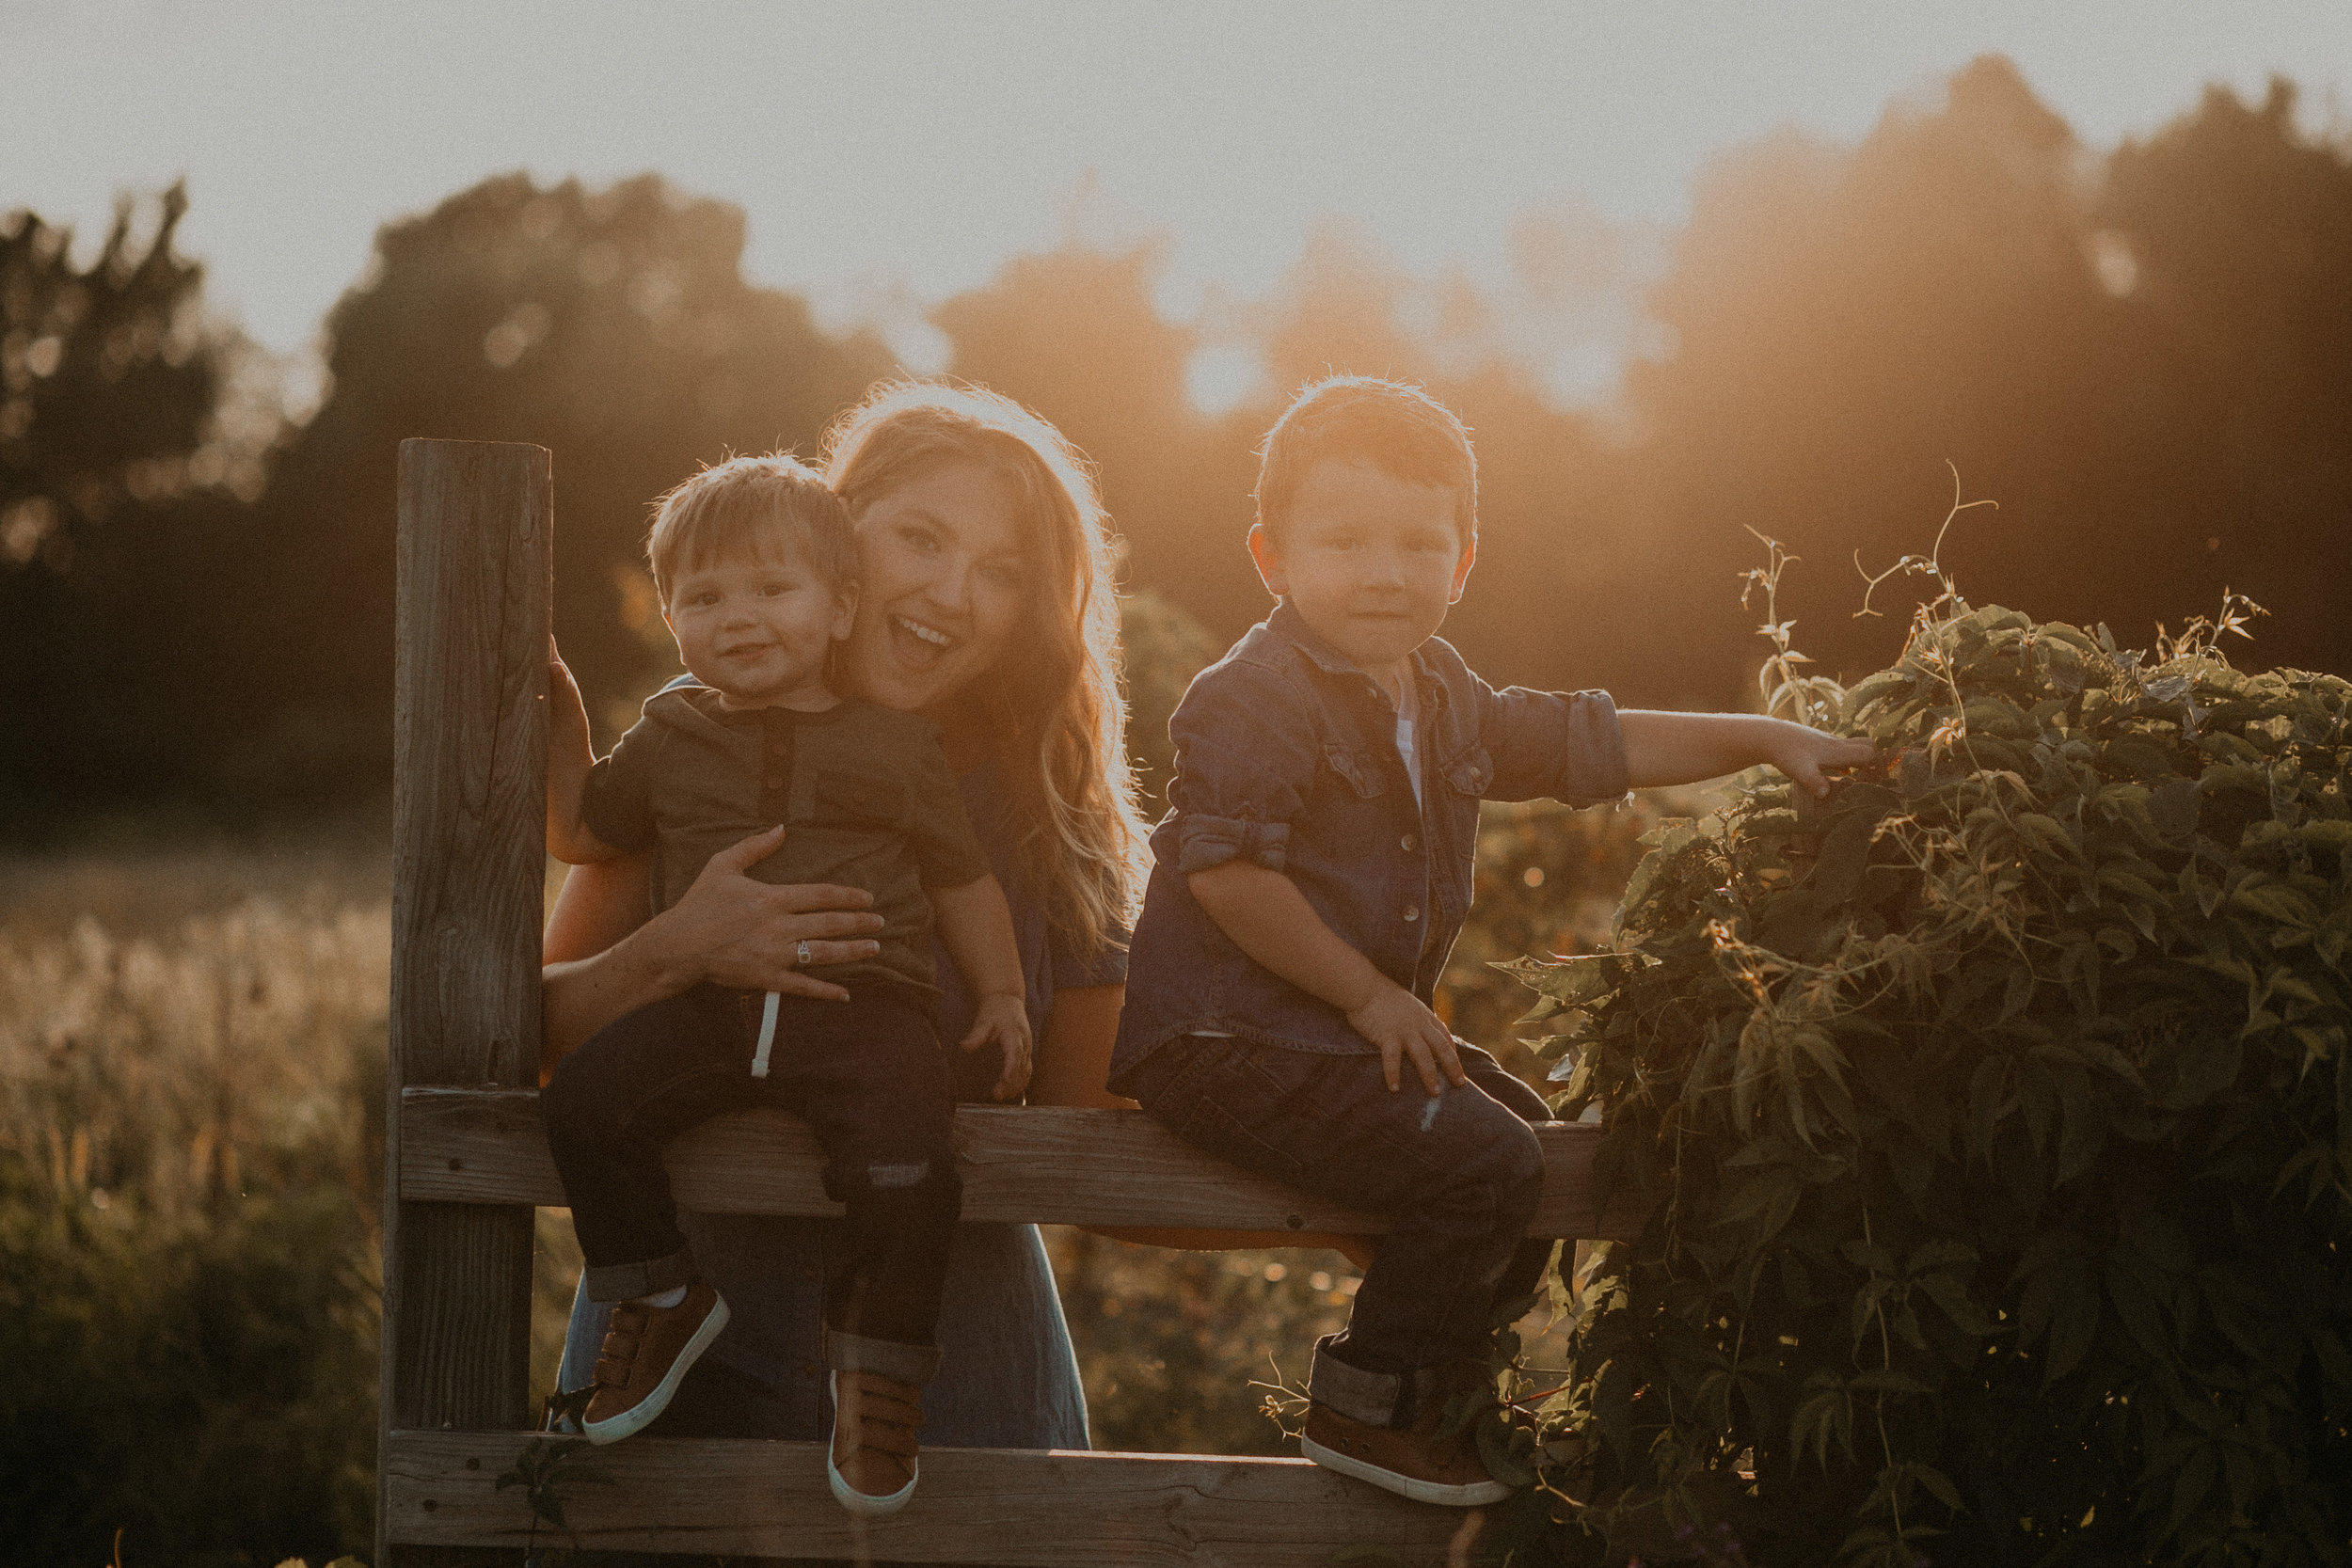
{"type": "Point", "coordinates": [188, 1199]}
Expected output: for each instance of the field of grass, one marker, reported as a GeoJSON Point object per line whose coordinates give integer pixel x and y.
{"type": "Point", "coordinates": [191, 1054]}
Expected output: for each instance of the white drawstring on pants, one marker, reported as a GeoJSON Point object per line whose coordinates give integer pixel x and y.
{"type": "Point", "coordinates": [767, 1036]}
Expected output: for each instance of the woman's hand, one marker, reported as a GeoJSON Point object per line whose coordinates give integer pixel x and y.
{"type": "Point", "coordinates": [1004, 1018]}
{"type": "Point", "coordinates": [746, 935]}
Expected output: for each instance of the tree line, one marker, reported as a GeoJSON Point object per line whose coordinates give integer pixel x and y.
{"type": "Point", "coordinates": [2143, 355]}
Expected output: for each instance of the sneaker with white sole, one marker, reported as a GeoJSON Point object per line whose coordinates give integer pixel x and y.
{"type": "Point", "coordinates": [873, 1460]}
{"type": "Point", "coordinates": [1420, 1460]}
{"type": "Point", "coordinates": [646, 1353]}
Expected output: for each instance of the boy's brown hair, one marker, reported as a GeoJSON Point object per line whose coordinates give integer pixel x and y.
{"type": "Point", "coordinates": [1393, 425]}
{"type": "Point", "coordinates": [745, 507]}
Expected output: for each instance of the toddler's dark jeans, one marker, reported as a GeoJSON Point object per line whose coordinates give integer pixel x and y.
{"type": "Point", "coordinates": [1459, 1174]}
{"type": "Point", "coordinates": [869, 1076]}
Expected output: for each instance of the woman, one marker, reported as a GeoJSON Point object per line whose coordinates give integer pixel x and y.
{"type": "Point", "coordinates": [987, 608]}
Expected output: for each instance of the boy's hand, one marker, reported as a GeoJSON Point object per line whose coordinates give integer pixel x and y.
{"type": "Point", "coordinates": [1005, 1019]}
{"type": "Point", "coordinates": [1804, 755]}
{"type": "Point", "coordinates": [1397, 1021]}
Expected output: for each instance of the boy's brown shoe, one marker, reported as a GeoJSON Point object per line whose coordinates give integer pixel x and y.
{"type": "Point", "coordinates": [646, 1353]}
{"type": "Point", "coordinates": [1411, 1461]}
{"type": "Point", "coordinates": [1416, 1460]}
{"type": "Point", "coordinates": [874, 1459]}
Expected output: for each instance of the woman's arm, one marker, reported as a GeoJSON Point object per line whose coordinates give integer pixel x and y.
{"type": "Point", "coordinates": [604, 958]}
{"type": "Point", "coordinates": [1073, 1063]}
{"type": "Point", "coordinates": [571, 757]}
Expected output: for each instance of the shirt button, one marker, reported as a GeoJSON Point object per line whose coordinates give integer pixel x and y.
{"type": "Point", "coordinates": [1409, 843]}
{"type": "Point", "coordinates": [1412, 912]}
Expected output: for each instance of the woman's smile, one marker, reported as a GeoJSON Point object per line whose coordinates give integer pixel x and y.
{"type": "Point", "coordinates": [926, 636]}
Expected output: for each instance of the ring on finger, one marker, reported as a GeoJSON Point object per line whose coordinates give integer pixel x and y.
{"type": "Point", "coordinates": [801, 954]}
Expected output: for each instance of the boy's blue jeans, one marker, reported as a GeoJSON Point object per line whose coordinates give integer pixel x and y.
{"type": "Point", "coordinates": [1459, 1174]}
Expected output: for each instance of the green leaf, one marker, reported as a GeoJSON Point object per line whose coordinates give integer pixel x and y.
{"type": "Point", "coordinates": [2193, 1487]}
{"type": "Point", "coordinates": [1845, 854]}
{"type": "Point", "coordinates": [2074, 1321]}
{"type": "Point", "coordinates": [1984, 1101]}
{"type": "Point", "coordinates": [1940, 1485]}
{"type": "Point", "coordinates": [1952, 1298]}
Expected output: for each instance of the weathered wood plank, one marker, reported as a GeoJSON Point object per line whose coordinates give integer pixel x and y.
{"type": "Point", "coordinates": [1052, 1164]}
{"type": "Point", "coordinates": [1037, 1509]}
{"type": "Point", "coordinates": [469, 791]}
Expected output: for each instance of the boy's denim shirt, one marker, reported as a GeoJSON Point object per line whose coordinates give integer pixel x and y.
{"type": "Point", "coordinates": [1286, 757]}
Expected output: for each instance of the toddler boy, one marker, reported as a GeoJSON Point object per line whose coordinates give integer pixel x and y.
{"type": "Point", "coordinates": [1312, 874]}
{"type": "Point", "coordinates": [756, 566]}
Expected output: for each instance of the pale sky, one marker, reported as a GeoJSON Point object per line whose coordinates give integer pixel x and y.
{"type": "Point", "coordinates": [888, 156]}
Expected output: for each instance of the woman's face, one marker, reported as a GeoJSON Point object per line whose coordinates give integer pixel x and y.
{"type": "Point", "coordinates": [947, 574]}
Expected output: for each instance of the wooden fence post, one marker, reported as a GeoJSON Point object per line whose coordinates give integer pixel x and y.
{"type": "Point", "coordinates": [470, 746]}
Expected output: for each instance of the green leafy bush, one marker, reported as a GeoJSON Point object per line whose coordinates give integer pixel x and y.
{"type": "Point", "coordinates": [1995, 1119]}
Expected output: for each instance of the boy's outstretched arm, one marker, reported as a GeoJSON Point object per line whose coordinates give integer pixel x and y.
{"type": "Point", "coordinates": [975, 924]}
{"type": "Point", "coordinates": [1269, 919]}
{"type": "Point", "coordinates": [570, 755]}
{"type": "Point", "coordinates": [1683, 747]}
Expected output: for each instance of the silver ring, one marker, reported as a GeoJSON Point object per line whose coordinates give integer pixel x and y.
{"type": "Point", "coordinates": [800, 953]}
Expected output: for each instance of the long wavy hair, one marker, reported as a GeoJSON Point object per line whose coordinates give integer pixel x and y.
{"type": "Point", "coordinates": [1058, 726]}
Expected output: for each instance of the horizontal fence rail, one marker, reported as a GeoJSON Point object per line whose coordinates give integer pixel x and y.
{"type": "Point", "coordinates": [1049, 1164]}
{"type": "Point", "coordinates": [1018, 1508]}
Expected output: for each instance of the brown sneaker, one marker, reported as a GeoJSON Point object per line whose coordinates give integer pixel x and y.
{"type": "Point", "coordinates": [1412, 1461]}
{"type": "Point", "coordinates": [874, 1461]}
{"type": "Point", "coordinates": [646, 1353]}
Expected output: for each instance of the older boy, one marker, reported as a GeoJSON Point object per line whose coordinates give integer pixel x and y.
{"type": "Point", "coordinates": [1310, 879]}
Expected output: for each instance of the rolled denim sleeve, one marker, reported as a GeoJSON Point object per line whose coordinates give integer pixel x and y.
{"type": "Point", "coordinates": [1564, 745]}
{"type": "Point", "coordinates": [1245, 758]}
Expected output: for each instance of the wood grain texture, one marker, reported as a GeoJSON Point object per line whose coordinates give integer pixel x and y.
{"type": "Point", "coordinates": [1051, 1165]}
{"type": "Point", "coordinates": [1037, 1509]}
{"type": "Point", "coordinates": [469, 797]}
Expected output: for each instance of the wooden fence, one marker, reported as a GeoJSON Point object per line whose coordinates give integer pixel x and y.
{"type": "Point", "coordinates": [467, 1162]}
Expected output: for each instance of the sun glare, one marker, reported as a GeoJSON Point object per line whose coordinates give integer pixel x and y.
{"type": "Point", "coordinates": [1221, 377]}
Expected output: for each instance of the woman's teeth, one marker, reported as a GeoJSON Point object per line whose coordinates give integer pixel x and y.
{"type": "Point", "coordinates": [917, 628]}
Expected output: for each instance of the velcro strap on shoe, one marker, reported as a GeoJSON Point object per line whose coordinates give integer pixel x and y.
{"type": "Point", "coordinates": [612, 1373]}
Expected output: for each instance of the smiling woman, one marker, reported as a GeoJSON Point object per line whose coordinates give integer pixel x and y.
{"type": "Point", "coordinates": [985, 608]}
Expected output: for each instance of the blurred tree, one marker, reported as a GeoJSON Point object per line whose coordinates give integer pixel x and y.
{"type": "Point", "coordinates": [2145, 362]}
{"type": "Point", "coordinates": [2226, 241]}
{"type": "Point", "coordinates": [1844, 323]}
{"type": "Point", "coordinates": [612, 326]}
{"type": "Point", "coordinates": [131, 429]}
{"type": "Point", "coordinates": [106, 376]}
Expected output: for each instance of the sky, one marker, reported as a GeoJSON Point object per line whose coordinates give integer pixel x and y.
{"type": "Point", "coordinates": [888, 156]}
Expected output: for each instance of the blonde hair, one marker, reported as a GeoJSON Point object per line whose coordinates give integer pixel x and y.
{"type": "Point", "coordinates": [1058, 732]}
{"type": "Point", "coordinates": [745, 507]}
